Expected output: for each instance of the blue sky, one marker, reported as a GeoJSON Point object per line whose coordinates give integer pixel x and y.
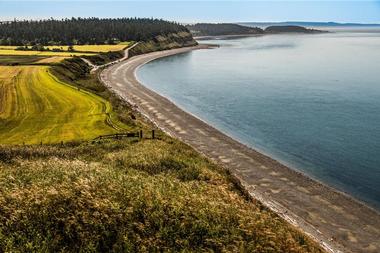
{"type": "Point", "coordinates": [197, 11]}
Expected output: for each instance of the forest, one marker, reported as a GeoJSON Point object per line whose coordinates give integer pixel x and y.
{"type": "Point", "coordinates": [81, 31]}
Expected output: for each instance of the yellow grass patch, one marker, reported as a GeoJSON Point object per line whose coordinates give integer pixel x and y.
{"type": "Point", "coordinates": [80, 50]}
{"type": "Point", "coordinates": [35, 106]}
{"type": "Point", "coordinates": [8, 47]}
{"type": "Point", "coordinates": [94, 48]}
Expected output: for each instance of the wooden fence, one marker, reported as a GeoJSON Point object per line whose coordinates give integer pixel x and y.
{"type": "Point", "coordinates": [138, 134]}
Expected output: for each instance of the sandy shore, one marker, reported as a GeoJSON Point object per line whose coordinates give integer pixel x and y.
{"type": "Point", "coordinates": [335, 220]}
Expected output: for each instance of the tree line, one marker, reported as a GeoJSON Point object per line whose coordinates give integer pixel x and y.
{"type": "Point", "coordinates": [79, 31]}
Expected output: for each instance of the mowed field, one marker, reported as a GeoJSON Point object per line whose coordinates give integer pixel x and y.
{"type": "Point", "coordinates": [35, 107]}
{"type": "Point", "coordinates": [79, 50]}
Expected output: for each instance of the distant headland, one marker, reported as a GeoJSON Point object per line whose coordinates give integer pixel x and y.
{"type": "Point", "coordinates": [226, 29]}
{"type": "Point", "coordinates": [290, 29]}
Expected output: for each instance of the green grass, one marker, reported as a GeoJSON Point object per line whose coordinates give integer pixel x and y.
{"type": "Point", "coordinates": [35, 107]}
{"type": "Point", "coordinates": [130, 196]}
{"type": "Point", "coordinates": [103, 58]}
{"type": "Point", "coordinates": [19, 60]}
{"type": "Point", "coordinates": [14, 60]}
{"type": "Point", "coordinates": [126, 43]}
{"type": "Point", "coordinates": [76, 72]}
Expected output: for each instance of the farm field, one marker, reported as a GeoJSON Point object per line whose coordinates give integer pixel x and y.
{"type": "Point", "coordinates": [35, 107]}
{"type": "Point", "coordinates": [95, 48]}
{"type": "Point", "coordinates": [6, 50]}
{"type": "Point", "coordinates": [40, 53]}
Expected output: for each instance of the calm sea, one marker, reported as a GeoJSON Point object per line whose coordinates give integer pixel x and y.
{"type": "Point", "coordinates": [309, 101]}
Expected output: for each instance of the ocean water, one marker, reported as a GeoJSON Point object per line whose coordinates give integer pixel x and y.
{"type": "Point", "coordinates": [309, 101]}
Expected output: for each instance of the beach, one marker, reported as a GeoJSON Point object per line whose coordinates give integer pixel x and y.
{"type": "Point", "coordinates": [337, 221]}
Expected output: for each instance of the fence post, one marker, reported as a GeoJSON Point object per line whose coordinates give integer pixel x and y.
{"type": "Point", "coordinates": [141, 134]}
{"type": "Point", "coordinates": [153, 134]}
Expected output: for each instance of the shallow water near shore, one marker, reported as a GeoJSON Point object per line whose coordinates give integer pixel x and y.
{"type": "Point", "coordinates": [309, 101]}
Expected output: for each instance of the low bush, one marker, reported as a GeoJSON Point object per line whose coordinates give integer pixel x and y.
{"type": "Point", "coordinates": [130, 196]}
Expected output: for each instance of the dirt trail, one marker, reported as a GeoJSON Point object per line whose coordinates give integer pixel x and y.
{"type": "Point", "coordinates": [335, 220]}
{"type": "Point", "coordinates": [96, 67]}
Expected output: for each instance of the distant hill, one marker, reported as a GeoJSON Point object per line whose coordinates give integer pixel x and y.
{"type": "Point", "coordinates": [290, 29]}
{"type": "Point", "coordinates": [208, 29]}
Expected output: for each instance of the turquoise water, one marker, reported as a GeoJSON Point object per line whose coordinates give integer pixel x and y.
{"type": "Point", "coordinates": [310, 101]}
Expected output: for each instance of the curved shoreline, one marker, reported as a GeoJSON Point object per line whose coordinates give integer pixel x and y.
{"type": "Point", "coordinates": [334, 219]}
{"type": "Point", "coordinates": [257, 149]}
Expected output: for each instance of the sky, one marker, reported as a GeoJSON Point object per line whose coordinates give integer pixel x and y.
{"type": "Point", "coordinates": [359, 11]}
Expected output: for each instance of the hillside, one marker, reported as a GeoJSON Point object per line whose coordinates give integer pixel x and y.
{"type": "Point", "coordinates": [208, 29]}
{"type": "Point", "coordinates": [290, 29]}
{"type": "Point", "coordinates": [170, 41]}
{"type": "Point", "coordinates": [149, 195]}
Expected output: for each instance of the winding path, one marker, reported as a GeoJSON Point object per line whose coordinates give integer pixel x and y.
{"type": "Point", "coordinates": [337, 222]}
{"type": "Point", "coordinates": [96, 67]}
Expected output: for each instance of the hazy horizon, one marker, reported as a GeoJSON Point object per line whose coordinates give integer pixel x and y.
{"type": "Point", "coordinates": [239, 11]}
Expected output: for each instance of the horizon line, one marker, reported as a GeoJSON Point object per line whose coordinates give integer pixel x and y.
{"type": "Point", "coordinates": [194, 22]}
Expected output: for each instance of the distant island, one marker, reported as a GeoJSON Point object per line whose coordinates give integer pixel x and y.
{"type": "Point", "coordinates": [225, 29]}
{"type": "Point", "coordinates": [290, 29]}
